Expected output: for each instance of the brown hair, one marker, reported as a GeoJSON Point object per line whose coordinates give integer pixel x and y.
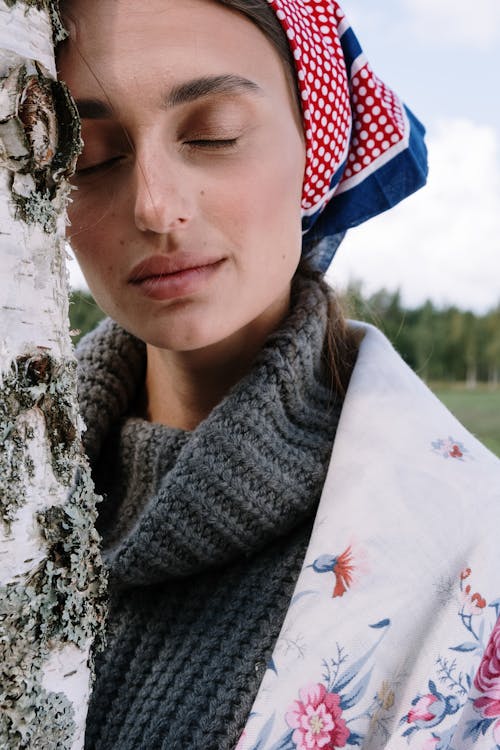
{"type": "Point", "coordinates": [341, 345]}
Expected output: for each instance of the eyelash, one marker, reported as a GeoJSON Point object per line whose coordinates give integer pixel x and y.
{"type": "Point", "coordinates": [97, 167]}
{"type": "Point", "coordinates": [216, 143]}
{"type": "Point", "coordinates": [213, 143]}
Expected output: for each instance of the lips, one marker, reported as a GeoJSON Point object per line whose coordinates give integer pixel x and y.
{"type": "Point", "coordinates": [164, 266]}
{"type": "Point", "coordinates": [163, 278]}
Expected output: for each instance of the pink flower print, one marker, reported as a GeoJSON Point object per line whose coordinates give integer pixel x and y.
{"type": "Point", "coordinates": [430, 744]}
{"type": "Point", "coordinates": [429, 710]}
{"type": "Point", "coordinates": [317, 720]}
{"type": "Point", "coordinates": [421, 710]}
{"type": "Point", "coordinates": [487, 679]}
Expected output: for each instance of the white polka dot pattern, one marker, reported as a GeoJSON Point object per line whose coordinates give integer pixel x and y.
{"type": "Point", "coordinates": [352, 121]}
{"type": "Point", "coordinates": [379, 122]}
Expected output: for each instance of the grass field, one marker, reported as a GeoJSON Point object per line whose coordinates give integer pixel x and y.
{"type": "Point", "coordinates": [478, 410]}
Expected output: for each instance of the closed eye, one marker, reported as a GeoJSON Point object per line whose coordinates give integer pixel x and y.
{"type": "Point", "coordinates": [99, 167]}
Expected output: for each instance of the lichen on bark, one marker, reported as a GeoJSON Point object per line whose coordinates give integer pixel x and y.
{"type": "Point", "coordinates": [39, 141]}
{"type": "Point", "coordinates": [71, 578]}
{"type": "Point", "coordinates": [59, 33]}
{"type": "Point", "coordinates": [52, 584]}
{"type": "Point", "coordinates": [61, 600]}
{"type": "Point", "coordinates": [38, 4]}
{"type": "Point", "coordinates": [36, 381]}
{"type": "Point", "coordinates": [47, 718]}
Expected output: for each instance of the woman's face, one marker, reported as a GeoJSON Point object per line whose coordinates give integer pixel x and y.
{"type": "Point", "coordinates": [186, 220]}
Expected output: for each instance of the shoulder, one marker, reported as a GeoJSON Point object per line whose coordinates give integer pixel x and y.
{"type": "Point", "coordinates": [393, 416]}
{"type": "Point", "coordinates": [405, 475]}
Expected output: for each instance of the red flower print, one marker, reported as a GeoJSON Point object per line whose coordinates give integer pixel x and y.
{"type": "Point", "coordinates": [343, 568]}
{"type": "Point", "coordinates": [317, 720]}
{"type": "Point", "coordinates": [465, 574]}
{"type": "Point", "coordinates": [449, 448]}
{"type": "Point", "coordinates": [343, 572]}
{"type": "Point", "coordinates": [478, 600]}
{"type": "Point", "coordinates": [472, 604]}
{"type": "Point", "coordinates": [487, 679]}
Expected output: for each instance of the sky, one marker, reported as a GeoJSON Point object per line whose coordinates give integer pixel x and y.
{"type": "Point", "coordinates": [443, 243]}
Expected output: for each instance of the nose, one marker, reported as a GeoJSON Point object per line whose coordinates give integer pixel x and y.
{"type": "Point", "coordinates": [162, 201]}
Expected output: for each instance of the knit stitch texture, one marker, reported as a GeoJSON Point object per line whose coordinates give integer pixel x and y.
{"type": "Point", "coordinates": [204, 532]}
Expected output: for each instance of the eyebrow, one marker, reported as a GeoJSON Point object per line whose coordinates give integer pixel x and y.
{"type": "Point", "coordinates": [198, 87]}
{"type": "Point", "coordinates": [182, 93]}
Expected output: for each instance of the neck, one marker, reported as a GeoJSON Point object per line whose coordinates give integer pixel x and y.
{"type": "Point", "coordinates": [183, 387]}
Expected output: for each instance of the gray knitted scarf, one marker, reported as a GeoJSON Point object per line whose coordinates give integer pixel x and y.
{"type": "Point", "coordinates": [252, 470]}
{"type": "Point", "coordinates": [214, 510]}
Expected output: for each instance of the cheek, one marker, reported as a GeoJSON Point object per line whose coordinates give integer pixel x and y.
{"type": "Point", "coordinates": [94, 233]}
{"type": "Point", "coordinates": [93, 210]}
{"type": "Point", "coordinates": [95, 239]}
{"type": "Point", "coordinates": [277, 189]}
{"type": "Point", "coordinates": [261, 203]}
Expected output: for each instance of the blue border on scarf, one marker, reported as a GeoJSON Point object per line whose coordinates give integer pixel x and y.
{"type": "Point", "coordinates": [400, 177]}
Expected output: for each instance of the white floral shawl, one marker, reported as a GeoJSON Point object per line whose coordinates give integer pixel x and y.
{"type": "Point", "coordinates": [392, 637]}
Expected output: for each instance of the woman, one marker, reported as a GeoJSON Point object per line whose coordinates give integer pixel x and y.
{"type": "Point", "coordinates": [228, 146]}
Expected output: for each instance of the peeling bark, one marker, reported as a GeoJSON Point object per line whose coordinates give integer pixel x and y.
{"type": "Point", "coordinates": [52, 585]}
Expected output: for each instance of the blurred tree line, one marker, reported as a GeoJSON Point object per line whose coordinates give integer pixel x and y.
{"type": "Point", "coordinates": [440, 344]}
{"type": "Point", "coordinates": [445, 344]}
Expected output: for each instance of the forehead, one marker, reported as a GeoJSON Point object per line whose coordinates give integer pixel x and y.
{"type": "Point", "coordinates": [116, 42]}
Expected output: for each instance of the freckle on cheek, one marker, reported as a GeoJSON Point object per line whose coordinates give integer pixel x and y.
{"type": "Point", "coordinates": [122, 242]}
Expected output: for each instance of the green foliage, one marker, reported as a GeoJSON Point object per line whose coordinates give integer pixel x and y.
{"type": "Point", "coordinates": [478, 409]}
{"type": "Point", "coordinates": [84, 314]}
{"type": "Point", "coordinates": [456, 350]}
{"type": "Point", "coordinates": [444, 344]}
{"type": "Point", "coordinates": [440, 344]}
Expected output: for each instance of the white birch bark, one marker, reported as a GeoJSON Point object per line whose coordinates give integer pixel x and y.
{"type": "Point", "coordinates": [51, 582]}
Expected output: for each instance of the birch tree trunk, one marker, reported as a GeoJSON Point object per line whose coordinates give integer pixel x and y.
{"type": "Point", "coordinates": [51, 581]}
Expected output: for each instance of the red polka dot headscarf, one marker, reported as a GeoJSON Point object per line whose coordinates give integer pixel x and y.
{"type": "Point", "coordinates": [364, 149]}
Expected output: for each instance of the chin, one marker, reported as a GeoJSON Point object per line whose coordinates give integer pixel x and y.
{"type": "Point", "coordinates": [179, 337]}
